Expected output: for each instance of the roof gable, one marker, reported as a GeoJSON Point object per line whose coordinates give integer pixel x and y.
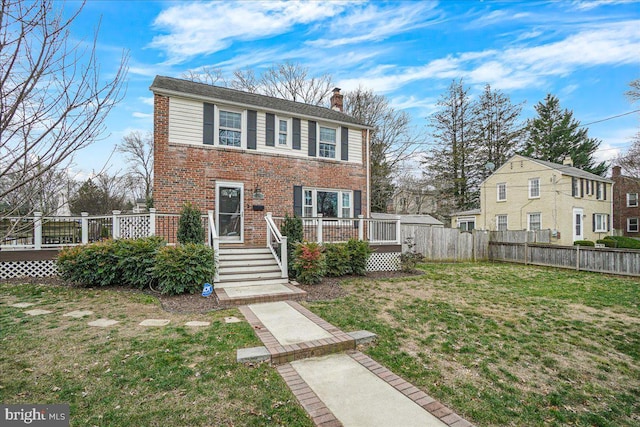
{"type": "Point", "coordinates": [173, 86]}
{"type": "Point", "coordinates": [563, 169]}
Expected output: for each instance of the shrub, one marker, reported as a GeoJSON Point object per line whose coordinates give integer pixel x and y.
{"type": "Point", "coordinates": [609, 243]}
{"type": "Point", "coordinates": [292, 228]}
{"type": "Point", "coordinates": [183, 268]}
{"type": "Point", "coordinates": [90, 265]}
{"type": "Point", "coordinates": [583, 243]}
{"type": "Point", "coordinates": [359, 252]}
{"type": "Point", "coordinates": [136, 259]}
{"type": "Point", "coordinates": [625, 242]}
{"type": "Point", "coordinates": [410, 259]}
{"type": "Point", "coordinates": [309, 263]}
{"type": "Point", "coordinates": [337, 259]}
{"type": "Point", "coordinates": [190, 229]}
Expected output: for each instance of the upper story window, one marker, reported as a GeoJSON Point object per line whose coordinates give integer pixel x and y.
{"type": "Point", "coordinates": [575, 187]}
{"type": "Point", "coordinates": [601, 191]}
{"type": "Point", "coordinates": [327, 142]}
{"type": "Point", "coordinates": [632, 200]}
{"type": "Point", "coordinates": [501, 189]}
{"type": "Point", "coordinates": [230, 130]}
{"type": "Point", "coordinates": [283, 132]}
{"type": "Point", "coordinates": [534, 188]}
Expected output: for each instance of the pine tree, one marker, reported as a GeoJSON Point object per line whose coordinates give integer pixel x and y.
{"type": "Point", "coordinates": [555, 134]}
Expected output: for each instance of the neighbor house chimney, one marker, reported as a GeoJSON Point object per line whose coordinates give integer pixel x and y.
{"type": "Point", "coordinates": [567, 161]}
{"type": "Point", "coordinates": [336, 100]}
{"type": "Point", "coordinates": [616, 171]}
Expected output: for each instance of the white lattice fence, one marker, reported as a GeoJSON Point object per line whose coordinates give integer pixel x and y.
{"type": "Point", "coordinates": [385, 261]}
{"type": "Point", "coordinates": [40, 268]}
{"type": "Point", "coordinates": [134, 227]}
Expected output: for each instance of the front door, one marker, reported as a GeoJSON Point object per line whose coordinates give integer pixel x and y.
{"type": "Point", "coordinates": [230, 211]}
{"type": "Point", "coordinates": [577, 225]}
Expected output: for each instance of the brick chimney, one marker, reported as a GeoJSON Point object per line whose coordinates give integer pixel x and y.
{"type": "Point", "coordinates": [616, 171]}
{"type": "Point", "coordinates": [336, 100]}
{"type": "Point", "coordinates": [567, 161]}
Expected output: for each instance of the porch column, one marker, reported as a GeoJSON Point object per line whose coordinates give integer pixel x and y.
{"type": "Point", "coordinates": [319, 228]}
{"type": "Point", "coordinates": [152, 221]}
{"type": "Point", "coordinates": [37, 230]}
{"type": "Point", "coordinates": [360, 227]}
{"type": "Point", "coordinates": [115, 225]}
{"type": "Point", "coordinates": [84, 221]}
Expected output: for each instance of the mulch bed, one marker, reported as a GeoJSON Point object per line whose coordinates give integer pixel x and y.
{"type": "Point", "coordinates": [329, 289]}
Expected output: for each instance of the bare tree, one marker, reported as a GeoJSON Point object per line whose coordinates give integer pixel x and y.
{"type": "Point", "coordinates": [391, 141]}
{"type": "Point", "coordinates": [634, 93]}
{"type": "Point", "coordinates": [207, 75]}
{"type": "Point", "coordinates": [291, 81]}
{"type": "Point", "coordinates": [245, 80]}
{"type": "Point", "coordinates": [53, 101]}
{"type": "Point", "coordinates": [138, 149]}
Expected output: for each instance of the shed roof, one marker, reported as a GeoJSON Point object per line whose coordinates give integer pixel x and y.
{"type": "Point", "coordinates": [424, 219]}
{"type": "Point", "coordinates": [172, 86]}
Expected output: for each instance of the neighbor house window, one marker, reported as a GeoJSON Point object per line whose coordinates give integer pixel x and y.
{"type": "Point", "coordinates": [329, 203]}
{"type": "Point", "coordinates": [502, 191]}
{"type": "Point", "coordinates": [600, 223]}
{"type": "Point", "coordinates": [599, 190]}
{"type": "Point", "coordinates": [230, 131]}
{"type": "Point", "coordinates": [283, 132]}
{"type": "Point", "coordinates": [575, 187]}
{"type": "Point", "coordinates": [466, 224]}
{"type": "Point", "coordinates": [534, 221]}
{"type": "Point", "coordinates": [534, 188]}
{"type": "Point", "coordinates": [327, 142]}
{"type": "Point", "coordinates": [501, 222]}
{"type": "Point", "coordinates": [632, 225]}
{"type": "Point", "coordinates": [632, 200]}
{"type": "Point", "coordinates": [588, 185]}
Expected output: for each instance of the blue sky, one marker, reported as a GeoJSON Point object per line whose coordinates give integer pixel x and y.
{"type": "Point", "coordinates": [584, 52]}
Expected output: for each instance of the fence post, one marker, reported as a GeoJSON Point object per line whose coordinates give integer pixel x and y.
{"type": "Point", "coordinates": [37, 230]}
{"type": "Point", "coordinates": [152, 221]}
{"type": "Point", "coordinates": [84, 221]}
{"type": "Point", "coordinates": [269, 215]}
{"type": "Point", "coordinates": [577, 257]}
{"type": "Point", "coordinates": [115, 225]}
{"type": "Point", "coordinates": [526, 253]}
{"type": "Point", "coordinates": [360, 227]}
{"type": "Point", "coordinates": [319, 228]}
{"type": "Point", "coordinates": [398, 230]}
{"type": "Point", "coordinates": [284, 258]}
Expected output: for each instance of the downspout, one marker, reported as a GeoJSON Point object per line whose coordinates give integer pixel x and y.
{"type": "Point", "coordinates": [611, 229]}
{"type": "Point", "coordinates": [368, 177]}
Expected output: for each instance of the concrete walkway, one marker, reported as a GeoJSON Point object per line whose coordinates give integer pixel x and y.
{"type": "Point", "coordinates": [337, 385]}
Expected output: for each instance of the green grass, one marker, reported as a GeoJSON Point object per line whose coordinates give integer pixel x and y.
{"type": "Point", "coordinates": [131, 375]}
{"type": "Point", "coordinates": [507, 345]}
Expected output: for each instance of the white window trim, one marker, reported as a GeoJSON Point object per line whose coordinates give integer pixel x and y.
{"type": "Point", "coordinates": [243, 126]}
{"type": "Point", "coordinates": [629, 230]}
{"type": "Point", "coordinates": [599, 190]}
{"type": "Point", "coordinates": [498, 192]}
{"type": "Point", "coordinates": [529, 220]}
{"type": "Point", "coordinates": [338, 141]}
{"type": "Point", "coordinates": [506, 217]}
{"type": "Point", "coordinates": [629, 205]}
{"type": "Point", "coordinates": [314, 200]}
{"type": "Point", "coordinates": [531, 180]}
{"type": "Point", "coordinates": [289, 131]}
{"type": "Point", "coordinates": [603, 223]}
{"type": "Point", "coordinates": [467, 220]}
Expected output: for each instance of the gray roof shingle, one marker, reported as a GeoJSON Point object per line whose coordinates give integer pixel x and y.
{"type": "Point", "coordinates": [570, 170]}
{"type": "Point", "coordinates": [170, 85]}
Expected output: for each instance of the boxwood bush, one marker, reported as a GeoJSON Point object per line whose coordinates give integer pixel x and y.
{"type": "Point", "coordinates": [337, 259]}
{"type": "Point", "coordinates": [90, 265]}
{"type": "Point", "coordinates": [183, 268]}
{"type": "Point", "coordinates": [625, 242]}
{"type": "Point", "coordinates": [583, 243]}
{"type": "Point", "coordinates": [359, 253]}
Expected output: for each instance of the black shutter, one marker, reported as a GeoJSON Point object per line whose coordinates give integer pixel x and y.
{"type": "Point", "coordinates": [271, 130]}
{"type": "Point", "coordinates": [312, 138]}
{"type": "Point", "coordinates": [608, 223]}
{"type": "Point", "coordinates": [593, 221]}
{"type": "Point", "coordinates": [208, 119]}
{"type": "Point", "coordinates": [252, 126]}
{"type": "Point", "coordinates": [357, 203]}
{"type": "Point", "coordinates": [344, 144]}
{"type": "Point", "coordinates": [297, 200]}
{"type": "Point", "coordinates": [296, 134]}
{"type": "Point", "coordinates": [604, 191]}
{"type": "Point", "coordinates": [581, 187]}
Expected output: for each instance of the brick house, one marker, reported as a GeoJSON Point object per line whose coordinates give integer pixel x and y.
{"type": "Point", "coordinates": [626, 209]}
{"type": "Point", "coordinates": [242, 155]}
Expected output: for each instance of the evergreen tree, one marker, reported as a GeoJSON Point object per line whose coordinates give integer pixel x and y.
{"type": "Point", "coordinates": [190, 229]}
{"type": "Point", "coordinates": [555, 134]}
{"type": "Point", "coordinates": [498, 129]}
{"type": "Point", "coordinates": [451, 162]}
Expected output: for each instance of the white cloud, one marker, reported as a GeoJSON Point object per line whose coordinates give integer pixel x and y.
{"type": "Point", "coordinates": [148, 100]}
{"type": "Point", "coordinates": [139, 115]}
{"type": "Point", "coordinates": [206, 28]}
{"type": "Point", "coordinates": [584, 5]}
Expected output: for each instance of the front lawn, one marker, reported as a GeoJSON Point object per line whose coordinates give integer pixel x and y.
{"type": "Point", "coordinates": [131, 375]}
{"type": "Point", "coordinates": [504, 344]}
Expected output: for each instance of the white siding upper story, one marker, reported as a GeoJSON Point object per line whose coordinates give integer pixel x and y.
{"type": "Point", "coordinates": [186, 127]}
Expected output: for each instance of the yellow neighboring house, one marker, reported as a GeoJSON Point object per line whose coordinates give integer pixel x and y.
{"type": "Point", "coordinates": [530, 194]}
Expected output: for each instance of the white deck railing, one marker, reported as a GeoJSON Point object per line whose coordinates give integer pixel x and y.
{"type": "Point", "coordinates": [277, 243]}
{"type": "Point", "coordinates": [214, 242]}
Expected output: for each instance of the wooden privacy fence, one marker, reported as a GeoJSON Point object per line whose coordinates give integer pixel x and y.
{"type": "Point", "coordinates": [445, 244]}
{"type": "Point", "coordinates": [603, 260]}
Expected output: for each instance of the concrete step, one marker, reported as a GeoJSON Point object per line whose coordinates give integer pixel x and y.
{"type": "Point", "coordinates": [245, 283]}
{"type": "Point", "coordinates": [250, 276]}
{"type": "Point", "coordinates": [244, 257]}
{"type": "Point", "coordinates": [253, 270]}
{"type": "Point", "coordinates": [248, 263]}
{"type": "Point", "coordinates": [243, 251]}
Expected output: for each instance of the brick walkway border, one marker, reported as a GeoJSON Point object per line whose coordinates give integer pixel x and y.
{"type": "Point", "coordinates": [228, 301]}
{"type": "Point", "coordinates": [338, 342]}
